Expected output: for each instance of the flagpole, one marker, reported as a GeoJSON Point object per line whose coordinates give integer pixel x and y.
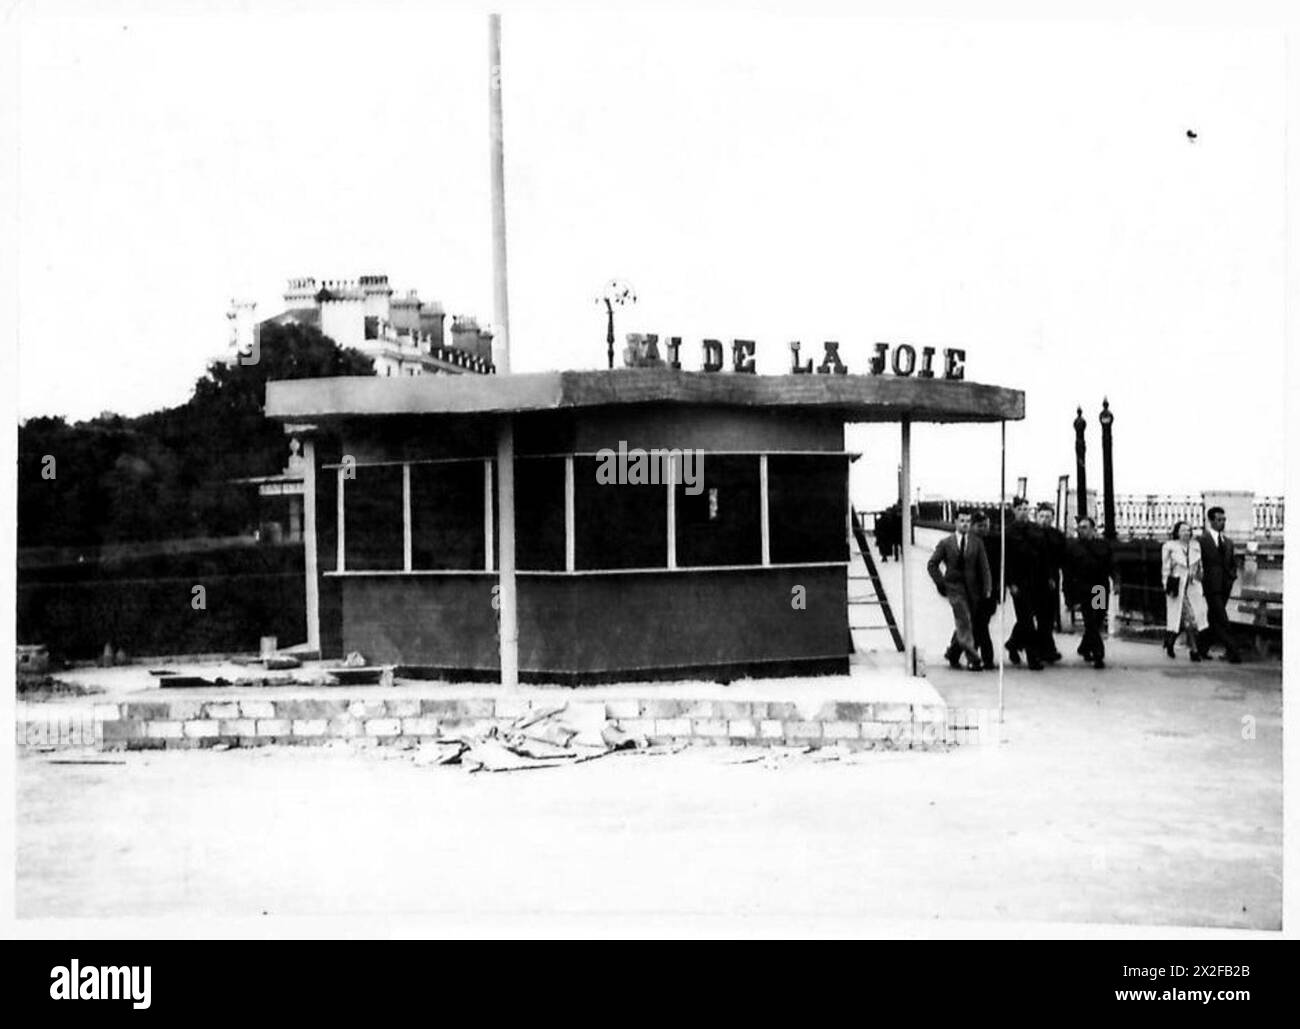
{"type": "Point", "coordinates": [507, 611]}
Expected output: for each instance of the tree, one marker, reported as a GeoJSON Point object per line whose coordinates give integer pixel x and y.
{"type": "Point", "coordinates": [166, 474]}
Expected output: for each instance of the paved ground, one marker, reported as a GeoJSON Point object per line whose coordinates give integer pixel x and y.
{"type": "Point", "coordinates": [1117, 798]}
{"type": "Point", "coordinates": [1148, 793]}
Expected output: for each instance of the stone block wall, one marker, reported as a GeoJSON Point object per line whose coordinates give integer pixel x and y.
{"type": "Point", "coordinates": [181, 723]}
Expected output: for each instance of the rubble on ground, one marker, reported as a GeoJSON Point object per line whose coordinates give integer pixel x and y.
{"type": "Point", "coordinates": [546, 738]}
{"type": "Point", "coordinates": [355, 672]}
{"type": "Point", "coordinates": [572, 734]}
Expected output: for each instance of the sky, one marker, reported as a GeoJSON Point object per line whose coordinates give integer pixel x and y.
{"type": "Point", "coordinates": [1025, 190]}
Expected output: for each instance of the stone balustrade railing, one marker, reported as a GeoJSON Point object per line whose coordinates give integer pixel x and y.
{"type": "Point", "coordinates": [1152, 515]}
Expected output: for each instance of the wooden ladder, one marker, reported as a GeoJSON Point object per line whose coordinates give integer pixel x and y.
{"type": "Point", "coordinates": [860, 558]}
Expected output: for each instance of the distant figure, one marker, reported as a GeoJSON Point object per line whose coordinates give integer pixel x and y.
{"type": "Point", "coordinates": [889, 532]}
{"type": "Point", "coordinates": [1023, 560]}
{"type": "Point", "coordinates": [1047, 606]}
{"type": "Point", "coordinates": [1181, 571]}
{"type": "Point", "coordinates": [1191, 135]}
{"type": "Point", "coordinates": [882, 534]}
{"type": "Point", "coordinates": [1219, 563]}
{"type": "Point", "coordinates": [964, 582]}
{"type": "Point", "coordinates": [984, 610]}
{"type": "Point", "coordinates": [1088, 569]}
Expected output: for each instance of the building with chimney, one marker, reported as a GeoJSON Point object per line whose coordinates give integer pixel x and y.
{"type": "Point", "coordinates": [403, 335]}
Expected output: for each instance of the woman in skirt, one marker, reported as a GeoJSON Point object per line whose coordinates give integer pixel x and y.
{"type": "Point", "coordinates": [1180, 571]}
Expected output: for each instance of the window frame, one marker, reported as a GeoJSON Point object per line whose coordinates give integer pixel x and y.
{"type": "Point", "coordinates": [670, 566]}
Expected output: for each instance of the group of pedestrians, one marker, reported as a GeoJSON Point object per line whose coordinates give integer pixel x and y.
{"type": "Point", "coordinates": [1041, 563]}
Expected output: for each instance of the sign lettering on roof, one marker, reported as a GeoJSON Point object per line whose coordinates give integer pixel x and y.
{"type": "Point", "coordinates": [901, 359]}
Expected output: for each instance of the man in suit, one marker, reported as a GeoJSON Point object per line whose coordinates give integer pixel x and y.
{"type": "Point", "coordinates": [963, 582]}
{"type": "Point", "coordinates": [1023, 562]}
{"type": "Point", "coordinates": [1088, 569]}
{"type": "Point", "coordinates": [1219, 572]}
{"type": "Point", "coordinates": [984, 610]}
{"type": "Point", "coordinates": [1047, 596]}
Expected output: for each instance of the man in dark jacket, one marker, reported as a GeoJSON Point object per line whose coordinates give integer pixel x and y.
{"type": "Point", "coordinates": [886, 530]}
{"type": "Point", "coordinates": [1219, 571]}
{"type": "Point", "coordinates": [1047, 592]}
{"type": "Point", "coordinates": [895, 526]}
{"type": "Point", "coordinates": [984, 610]}
{"type": "Point", "coordinates": [1088, 569]}
{"type": "Point", "coordinates": [964, 582]}
{"type": "Point", "coordinates": [1023, 561]}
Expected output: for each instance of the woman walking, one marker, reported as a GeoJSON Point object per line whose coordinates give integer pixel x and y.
{"type": "Point", "coordinates": [1180, 570]}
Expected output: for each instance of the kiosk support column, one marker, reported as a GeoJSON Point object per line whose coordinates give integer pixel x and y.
{"type": "Point", "coordinates": [1002, 574]}
{"type": "Point", "coordinates": [905, 506]}
{"type": "Point", "coordinates": [507, 611]}
{"type": "Point", "coordinates": [310, 559]}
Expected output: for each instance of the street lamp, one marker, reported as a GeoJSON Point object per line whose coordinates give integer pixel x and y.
{"type": "Point", "coordinates": [1107, 468]}
{"type": "Point", "coordinates": [617, 294]}
{"type": "Point", "coordinates": [1080, 449]}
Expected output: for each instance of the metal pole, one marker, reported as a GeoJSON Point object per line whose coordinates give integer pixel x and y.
{"type": "Point", "coordinates": [905, 506]}
{"type": "Point", "coordinates": [609, 332]}
{"type": "Point", "coordinates": [1107, 469]}
{"type": "Point", "coordinates": [500, 297]}
{"type": "Point", "coordinates": [1080, 463]}
{"type": "Point", "coordinates": [1002, 574]}
{"type": "Point", "coordinates": [507, 611]}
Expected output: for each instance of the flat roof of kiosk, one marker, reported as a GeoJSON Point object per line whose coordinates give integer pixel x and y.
{"type": "Point", "coordinates": [856, 398]}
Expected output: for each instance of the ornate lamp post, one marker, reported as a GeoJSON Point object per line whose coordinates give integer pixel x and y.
{"type": "Point", "coordinates": [1081, 468]}
{"type": "Point", "coordinates": [1107, 468]}
{"type": "Point", "coordinates": [616, 294]}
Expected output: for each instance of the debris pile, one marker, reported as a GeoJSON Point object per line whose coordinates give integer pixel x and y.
{"type": "Point", "coordinates": [546, 738]}
{"type": "Point", "coordinates": [355, 672]}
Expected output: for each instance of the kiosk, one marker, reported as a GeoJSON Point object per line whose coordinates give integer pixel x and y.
{"type": "Point", "coordinates": [668, 524]}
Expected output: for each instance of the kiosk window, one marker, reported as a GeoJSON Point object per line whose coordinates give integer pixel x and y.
{"type": "Point", "coordinates": [617, 525]}
{"type": "Point", "coordinates": [539, 514]}
{"type": "Point", "coordinates": [720, 525]}
{"type": "Point", "coordinates": [446, 516]}
{"type": "Point", "coordinates": [807, 499]}
{"type": "Point", "coordinates": [372, 519]}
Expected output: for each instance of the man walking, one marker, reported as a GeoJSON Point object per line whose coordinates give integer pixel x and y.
{"type": "Point", "coordinates": [1023, 559]}
{"type": "Point", "coordinates": [984, 610]}
{"type": "Point", "coordinates": [1088, 569]}
{"type": "Point", "coordinates": [1047, 597]}
{"type": "Point", "coordinates": [964, 582]}
{"type": "Point", "coordinates": [1219, 571]}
